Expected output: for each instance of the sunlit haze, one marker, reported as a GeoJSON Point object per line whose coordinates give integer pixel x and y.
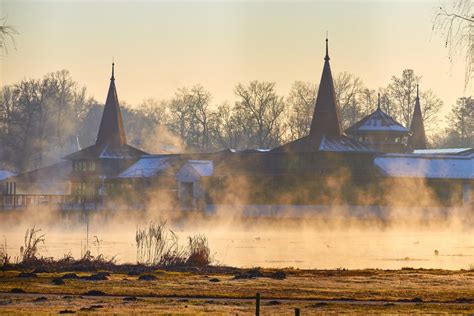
{"type": "Point", "coordinates": [161, 46]}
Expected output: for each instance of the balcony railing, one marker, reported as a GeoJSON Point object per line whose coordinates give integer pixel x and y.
{"type": "Point", "coordinates": [25, 200]}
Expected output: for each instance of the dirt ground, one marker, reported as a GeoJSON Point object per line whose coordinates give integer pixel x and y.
{"type": "Point", "coordinates": [224, 291]}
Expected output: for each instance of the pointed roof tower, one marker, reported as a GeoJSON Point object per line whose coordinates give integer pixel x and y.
{"type": "Point", "coordinates": [377, 122]}
{"type": "Point", "coordinates": [111, 131]}
{"type": "Point", "coordinates": [326, 113]}
{"type": "Point", "coordinates": [111, 140]}
{"type": "Point", "coordinates": [417, 128]}
{"type": "Point", "coordinates": [325, 133]}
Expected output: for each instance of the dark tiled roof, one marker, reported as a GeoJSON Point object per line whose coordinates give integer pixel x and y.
{"type": "Point", "coordinates": [327, 143]}
{"type": "Point", "coordinates": [58, 172]}
{"type": "Point", "coordinates": [99, 151]}
{"type": "Point", "coordinates": [378, 121]}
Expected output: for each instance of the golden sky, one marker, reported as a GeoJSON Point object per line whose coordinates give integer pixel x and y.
{"type": "Point", "coordinates": [161, 46]}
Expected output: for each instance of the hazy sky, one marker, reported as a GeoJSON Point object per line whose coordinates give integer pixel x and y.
{"type": "Point", "coordinates": [161, 46]}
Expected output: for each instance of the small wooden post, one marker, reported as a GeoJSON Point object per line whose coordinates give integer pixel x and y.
{"type": "Point", "coordinates": [257, 305]}
{"type": "Point", "coordinates": [297, 311]}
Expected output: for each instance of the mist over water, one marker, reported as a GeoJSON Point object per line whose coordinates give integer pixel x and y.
{"type": "Point", "coordinates": [306, 243]}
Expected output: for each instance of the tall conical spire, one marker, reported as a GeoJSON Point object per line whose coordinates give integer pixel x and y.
{"type": "Point", "coordinates": [326, 58]}
{"type": "Point", "coordinates": [326, 113]}
{"type": "Point", "coordinates": [111, 131]}
{"type": "Point", "coordinates": [417, 128]}
{"type": "Point", "coordinates": [113, 68]}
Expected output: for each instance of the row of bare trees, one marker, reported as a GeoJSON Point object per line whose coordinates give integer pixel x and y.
{"type": "Point", "coordinates": [38, 117]}
{"type": "Point", "coordinates": [44, 119]}
{"type": "Point", "coordinates": [261, 118]}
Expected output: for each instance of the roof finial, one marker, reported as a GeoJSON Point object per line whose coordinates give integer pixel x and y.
{"type": "Point", "coordinates": [417, 91]}
{"type": "Point", "coordinates": [327, 49]}
{"type": "Point", "coordinates": [378, 101]}
{"type": "Point", "coordinates": [113, 66]}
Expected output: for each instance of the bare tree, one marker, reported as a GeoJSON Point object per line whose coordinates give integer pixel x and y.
{"type": "Point", "coordinates": [263, 110]}
{"type": "Point", "coordinates": [180, 113]}
{"type": "Point", "coordinates": [155, 110]}
{"type": "Point", "coordinates": [200, 112]}
{"type": "Point", "coordinates": [349, 90]}
{"type": "Point", "coordinates": [456, 23]}
{"type": "Point", "coordinates": [8, 125]}
{"type": "Point", "coordinates": [430, 106]}
{"type": "Point", "coordinates": [461, 122]}
{"type": "Point", "coordinates": [402, 93]}
{"type": "Point", "coordinates": [228, 128]}
{"type": "Point", "coordinates": [386, 102]}
{"type": "Point", "coordinates": [30, 121]}
{"type": "Point", "coordinates": [300, 108]}
{"type": "Point", "coordinates": [398, 100]}
{"type": "Point", "coordinates": [368, 101]}
{"type": "Point", "coordinates": [7, 33]}
{"type": "Point", "coordinates": [190, 116]}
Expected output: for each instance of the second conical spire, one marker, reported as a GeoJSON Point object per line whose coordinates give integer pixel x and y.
{"type": "Point", "coordinates": [417, 128]}
{"type": "Point", "coordinates": [326, 113]}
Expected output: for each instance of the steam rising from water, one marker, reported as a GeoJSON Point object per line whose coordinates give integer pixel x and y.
{"type": "Point", "coordinates": [311, 237]}
{"type": "Point", "coordinates": [324, 242]}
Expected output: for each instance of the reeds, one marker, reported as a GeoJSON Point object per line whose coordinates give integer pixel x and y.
{"type": "Point", "coordinates": [4, 257]}
{"type": "Point", "coordinates": [158, 246]}
{"type": "Point", "coordinates": [30, 258]}
{"type": "Point", "coordinates": [33, 238]}
{"type": "Point", "coordinates": [199, 252]}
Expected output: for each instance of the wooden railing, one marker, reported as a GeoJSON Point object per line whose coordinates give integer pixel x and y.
{"type": "Point", "coordinates": [24, 200]}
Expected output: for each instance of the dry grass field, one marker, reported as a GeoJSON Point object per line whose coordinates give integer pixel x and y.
{"type": "Point", "coordinates": [220, 290]}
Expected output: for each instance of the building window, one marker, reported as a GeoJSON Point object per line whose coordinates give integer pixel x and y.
{"type": "Point", "coordinates": [84, 189]}
{"type": "Point", "coordinates": [84, 165]}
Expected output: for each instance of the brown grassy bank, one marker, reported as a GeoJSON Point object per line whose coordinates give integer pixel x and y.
{"type": "Point", "coordinates": [224, 290]}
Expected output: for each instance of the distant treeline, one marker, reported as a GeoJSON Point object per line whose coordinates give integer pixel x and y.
{"type": "Point", "coordinates": [44, 119]}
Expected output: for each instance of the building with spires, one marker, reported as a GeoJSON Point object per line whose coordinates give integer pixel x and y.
{"type": "Point", "coordinates": [94, 165]}
{"type": "Point", "coordinates": [327, 167]}
{"type": "Point", "coordinates": [82, 177]}
{"type": "Point", "coordinates": [380, 131]}
{"type": "Point", "coordinates": [325, 132]}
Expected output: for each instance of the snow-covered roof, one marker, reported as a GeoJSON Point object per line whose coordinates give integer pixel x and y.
{"type": "Point", "coordinates": [204, 168]}
{"type": "Point", "coordinates": [443, 151]}
{"type": "Point", "coordinates": [146, 167]}
{"type": "Point", "coordinates": [342, 144]}
{"type": "Point", "coordinates": [378, 121]}
{"type": "Point", "coordinates": [422, 166]}
{"type": "Point", "coordinates": [257, 150]}
{"type": "Point", "coordinates": [5, 174]}
{"type": "Point", "coordinates": [192, 170]}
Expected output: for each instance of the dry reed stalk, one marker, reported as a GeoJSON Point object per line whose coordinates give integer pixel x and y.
{"type": "Point", "coordinates": [29, 251]}
{"type": "Point", "coordinates": [4, 257]}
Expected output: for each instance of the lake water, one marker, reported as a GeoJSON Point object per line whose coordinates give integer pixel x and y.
{"type": "Point", "coordinates": [276, 244]}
